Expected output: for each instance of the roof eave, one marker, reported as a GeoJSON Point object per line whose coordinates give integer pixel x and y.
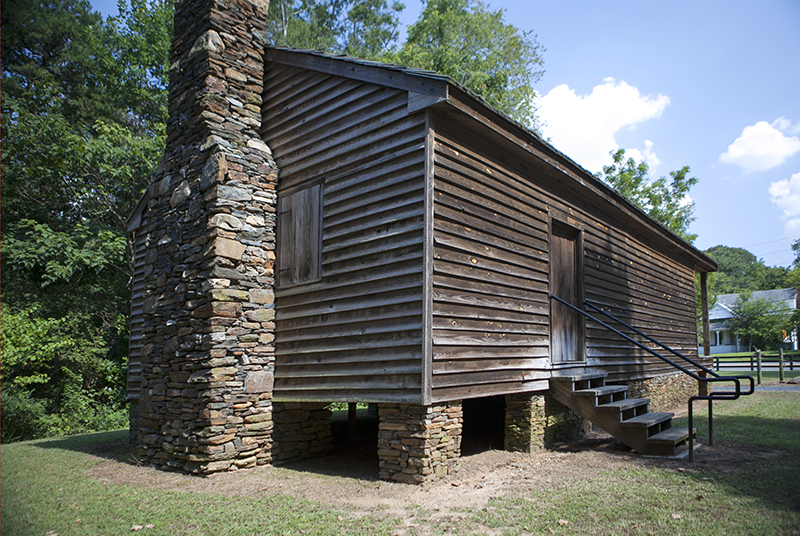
{"type": "Point", "coordinates": [539, 148]}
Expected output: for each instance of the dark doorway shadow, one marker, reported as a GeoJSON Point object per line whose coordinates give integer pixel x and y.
{"type": "Point", "coordinates": [354, 455]}
{"type": "Point", "coordinates": [484, 425]}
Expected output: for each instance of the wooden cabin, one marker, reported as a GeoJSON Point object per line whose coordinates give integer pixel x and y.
{"type": "Point", "coordinates": [423, 252]}
{"type": "Point", "coordinates": [420, 233]}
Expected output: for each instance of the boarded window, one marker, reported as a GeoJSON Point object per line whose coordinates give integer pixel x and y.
{"type": "Point", "coordinates": [300, 236]}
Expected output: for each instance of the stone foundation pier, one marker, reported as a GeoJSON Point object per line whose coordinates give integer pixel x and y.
{"type": "Point", "coordinates": [417, 444]}
{"type": "Point", "coordinates": [536, 421]}
{"type": "Point", "coordinates": [301, 430]}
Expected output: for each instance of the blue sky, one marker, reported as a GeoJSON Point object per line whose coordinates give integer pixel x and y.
{"type": "Point", "coordinates": [714, 85]}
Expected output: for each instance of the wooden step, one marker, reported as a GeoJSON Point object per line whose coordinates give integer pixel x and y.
{"type": "Point", "coordinates": [670, 442]}
{"type": "Point", "coordinates": [647, 420]}
{"type": "Point", "coordinates": [624, 405]}
{"type": "Point", "coordinates": [579, 376]}
{"type": "Point", "coordinates": [627, 419]}
{"type": "Point", "coordinates": [600, 391]}
{"type": "Point", "coordinates": [670, 436]}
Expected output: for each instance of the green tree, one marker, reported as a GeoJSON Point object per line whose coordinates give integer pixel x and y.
{"type": "Point", "coordinates": [366, 29]}
{"type": "Point", "coordinates": [776, 277]}
{"type": "Point", "coordinates": [665, 200]}
{"type": "Point", "coordinates": [760, 323]}
{"type": "Point", "coordinates": [83, 115]}
{"type": "Point", "coordinates": [57, 378]}
{"type": "Point", "coordinates": [476, 47]}
{"type": "Point", "coordinates": [793, 277]}
{"type": "Point", "coordinates": [740, 271]}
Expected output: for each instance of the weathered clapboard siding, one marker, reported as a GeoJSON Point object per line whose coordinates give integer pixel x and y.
{"type": "Point", "coordinates": [435, 252]}
{"type": "Point", "coordinates": [356, 334]}
{"type": "Point", "coordinates": [490, 310]}
{"type": "Point", "coordinates": [138, 283]}
{"type": "Point", "coordinates": [493, 205]}
{"type": "Point", "coordinates": [646, 290]}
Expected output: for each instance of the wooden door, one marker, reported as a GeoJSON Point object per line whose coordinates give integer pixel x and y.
{"type": "Point", "coordinates": [566, 282]}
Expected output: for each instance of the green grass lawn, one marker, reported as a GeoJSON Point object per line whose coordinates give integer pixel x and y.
{"type": "Point", "coordinates": [46, 491]}
{"type": "Point", "coordinates": [760, 495]}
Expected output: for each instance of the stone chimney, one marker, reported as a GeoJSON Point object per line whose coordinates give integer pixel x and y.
{"type": "Point", "coordinates": [207, 359]}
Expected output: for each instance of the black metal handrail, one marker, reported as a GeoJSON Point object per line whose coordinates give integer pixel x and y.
{"type": "Point", "coordinates": [720, 395]}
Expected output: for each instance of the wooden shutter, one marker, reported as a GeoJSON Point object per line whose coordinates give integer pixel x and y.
{"type": "Point", "coordinates": [300, 236]}
{"type": "Point", "coordinates": [136, 341]}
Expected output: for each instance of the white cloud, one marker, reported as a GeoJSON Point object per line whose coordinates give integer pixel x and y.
{"type": "Point", "coordinates": [648, 156]}
{"type": "Point", "coordinates": [784, 125]}
{"type": "Point", "coordinates": [763, 146]}
{"type": "Point", "coordinates": [584, 126]}
{"type": "Point", "coordinates": [786, 194]}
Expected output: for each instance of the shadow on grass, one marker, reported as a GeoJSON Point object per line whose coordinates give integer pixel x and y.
{"type": "Point", "coordinates": [114, 445]}
{"type": "Point", "coordinates": [756, 453]}
{"type": "Point", "coordinates": [353, 457]}
{"type": "Point", "coordinates": [752, 456]}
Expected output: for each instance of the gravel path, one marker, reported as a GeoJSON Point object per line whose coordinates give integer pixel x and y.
{"type": "Point", "coordinates": [777, 387]}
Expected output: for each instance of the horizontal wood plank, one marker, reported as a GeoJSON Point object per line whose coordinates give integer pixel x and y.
{"type": "Point", "coordinates": [358, 328]}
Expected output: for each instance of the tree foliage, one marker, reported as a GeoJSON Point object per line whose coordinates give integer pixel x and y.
{"type": "Point", "coordinates": [477, 48]}
{"type": "Point", "coordinates": [84, 109]}
{"type": "Point", "coordinates": [741, 271]}
{"type": "Point", "coordinates": [463, 39]}
{"type": "Point", "coordinates": [57, 378]}
{"type": "Point", "coordinates": [793, 278]}
{"type": "Point", "coordinates": [366, 29]}
{"type": "Point", "coordinates": [665, 200]}
{"type": "Point", "coordinates": [762, 324]}
{"type": "Point", "coordinates": [83, 123]}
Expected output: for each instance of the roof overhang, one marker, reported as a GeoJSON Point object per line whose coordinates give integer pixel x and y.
{"type": "Point", "coordinates": [428, 89]}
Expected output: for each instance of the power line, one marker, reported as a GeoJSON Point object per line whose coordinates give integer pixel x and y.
{"type": "Point", "coordinates": [775, 252]}
{"type": "Point", "coordinates": [771, 242]}
{"type": "Point", "coordinates": [787, 263]}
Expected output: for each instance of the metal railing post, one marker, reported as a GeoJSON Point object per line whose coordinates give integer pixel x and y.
{"type": "Point", "coordinates": [780, 365]}
{"type": "Point", "coordinates": [710, 422]}
{"type": "Point", "coordinates": [691, 432]}
{"type": "Point", "coordinates": [758, 365]}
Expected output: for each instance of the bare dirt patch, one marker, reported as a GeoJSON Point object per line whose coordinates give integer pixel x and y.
{"type": "Point", "coordinates": [347, 478]}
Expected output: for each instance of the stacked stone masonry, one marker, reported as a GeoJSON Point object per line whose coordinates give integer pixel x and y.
{"type": "Point", "coordinates": [302, 430]}
{"type": "Point", "coordinates": [536, 421]}
{"type": "Point", "coordinates": [417, 444]}
{"type": "Point", "coordinates": [665, 392]}
{"type": "Point", "coordinates": [207, 368]}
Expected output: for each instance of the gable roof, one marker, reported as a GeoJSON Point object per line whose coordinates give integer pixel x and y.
{"type": "Point", "coordinates": [723, 309]}
{"type": "Point", "coordinates": [430, 89]}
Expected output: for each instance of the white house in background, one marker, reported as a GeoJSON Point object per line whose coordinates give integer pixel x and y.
{"type": "Point", "coordinates": [723, 340]}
